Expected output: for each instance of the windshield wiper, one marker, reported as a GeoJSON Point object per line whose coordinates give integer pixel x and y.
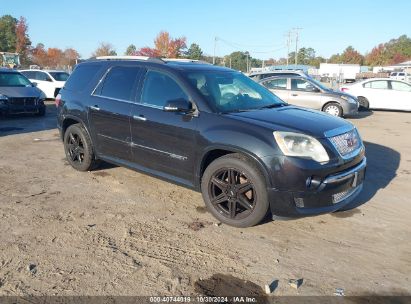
{"type": "Point", "coordinates": [272, 106]}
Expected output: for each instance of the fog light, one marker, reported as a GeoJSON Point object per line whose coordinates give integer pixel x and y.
{"type": "Point", "coordinates": [299, 202]}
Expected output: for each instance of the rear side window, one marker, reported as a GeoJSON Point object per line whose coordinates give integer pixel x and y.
{"type": "Point", "coordinates": [81, 77]}
{"type": "Point", "coordinates": [120, 83]}
{"type": "Point", "coordinates": [378, 84]}
{"type": "Point", "coordinates": [160, 88]}
{"type": "Point", "coordinates": [400, 86]}
{"type": "Point", "coordinates": [276, 84]}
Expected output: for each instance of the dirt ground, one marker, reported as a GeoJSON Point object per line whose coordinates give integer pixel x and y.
{"type": "Point", "coordinates": [117, 232]}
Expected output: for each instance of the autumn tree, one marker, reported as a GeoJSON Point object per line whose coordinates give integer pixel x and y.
{"type": "Point", "coordinates": [131, 50]}
{"type": "Point", "coordinates": [39, 55]}
{"type": "Point", "coordinates": [165, 46]}
{"type": "Point", "coordinates": [105, 49]}
{"type": "Point", "coordinates": [194, 52]}
{"type": "Point", "coordinates": [70, 57]}
{"type": "Point", "coordinates": [23, 42]}
{"type": "Point", "coordinates": [352, 56]}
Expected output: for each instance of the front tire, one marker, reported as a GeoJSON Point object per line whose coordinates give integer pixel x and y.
{"type": "Point", "coordinates": [364, 104]}
{"type": "Point", "coordinates": [333, 109]}
{"type": "Point", "coordinates": [78, 148]}
{"type": "Point", "coordinates": [234, 191]}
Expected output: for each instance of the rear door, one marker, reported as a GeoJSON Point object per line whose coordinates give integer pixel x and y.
{"type": "Point", "coordinates": [401, 93]}
{"type": "Point", "coordinates": [304, 94]}
{"type": "Point", "coordinates": [378, 94]}
{"type": "Point", "coordinates": [110, 110]}
{"type": "Point", "coordinates": [163, 142]}
{"type": "Point", "coordinates": [279, 87]}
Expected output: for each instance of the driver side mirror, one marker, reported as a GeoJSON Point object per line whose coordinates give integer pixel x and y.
{"type": "Point", "coordinates": [34, 84]}
{"type": "Point", "coordinates": [180, 105]}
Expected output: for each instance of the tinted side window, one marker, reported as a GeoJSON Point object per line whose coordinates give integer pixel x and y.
{"type": "Point", "coordinates": [276, 84]}
{"type": "Point", "coordinates": [301, 85]}
{"type": "Point", "coordinates": [160, 88]}
{"type": "Point", "coordinates": [41, 76]}
{"type": "Point", "coordinates": [119, 83]}
{"type": "Point", "coordinates": [29, 74]}
{"type": "Point", "coordinates": [81, 77]}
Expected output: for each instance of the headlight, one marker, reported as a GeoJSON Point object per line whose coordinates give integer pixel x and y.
{"type": "Point", "coordinates": [3, 97]}
{"type": "Point", "coordinates": [301, 145]}
{"type": "Point", "coordinates": [349, 99]}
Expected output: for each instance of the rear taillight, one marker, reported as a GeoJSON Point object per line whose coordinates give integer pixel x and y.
{"type": "Point", "coordinates": [344, 89]}
{"type": "Point", "coordinates": [57, 101]}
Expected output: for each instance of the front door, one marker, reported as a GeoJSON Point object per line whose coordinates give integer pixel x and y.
{"type": "Point", "coordinates": [163, 142]}
{"type": "Point", "coordinates": [279, 87]}
{"type": "Point", "coordinates": [110, 110]}
{"type": "Point", "coordinates": [304, 94]}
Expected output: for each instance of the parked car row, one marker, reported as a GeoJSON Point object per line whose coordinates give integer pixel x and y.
{"type": "Point", "coordinates": [25, 91]}
{"type": "Point", "coordinates": [298, 88]}
{"type": "Point", "coordinates": [18, 95]}
{"type": "Point", "coordinates": [381, 93]}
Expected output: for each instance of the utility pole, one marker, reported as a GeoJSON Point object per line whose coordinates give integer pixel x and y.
{"type": "Point", "coordinates": [215, 45]}
{"type": "Point", "coordinates": [230, 62]}
{"type": "Point", "coordinates": [296, 30]}
{"type": "Point", "coordinates": [288, 35]}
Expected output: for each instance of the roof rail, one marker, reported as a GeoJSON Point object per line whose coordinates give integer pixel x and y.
{"type": "Point", "coordinates": [147, 58]}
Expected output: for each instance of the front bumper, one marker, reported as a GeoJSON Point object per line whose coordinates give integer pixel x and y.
{"type": "Point", "coordinates": [331, 194]}
{"type": "Point", "coordinates": [350, 108]}
{"type": "Point", "coordinates": [9, 109]}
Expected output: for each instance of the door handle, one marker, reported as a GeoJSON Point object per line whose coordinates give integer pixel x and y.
{"type": "Point", "coordinates": [95, 108]}
{"type": "Point", "coordinates": [139, 117]}
{"type": "Point", "coordinates": [294, 94]}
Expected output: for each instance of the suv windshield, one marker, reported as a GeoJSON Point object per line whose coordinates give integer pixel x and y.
{"type": "Point", "coordinates": [13, 80]}
{"type": "Point", "coordinates": [59, 76]}
{"type": "Point", "coordinates": [232, 91]}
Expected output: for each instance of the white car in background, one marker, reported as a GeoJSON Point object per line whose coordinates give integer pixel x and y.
{"type": "Point", "coordinates": [400, 76]}
{"type": "Point", "coordinates": [381, 93]}
{"type": "Point", "coordinates": [49, 81]}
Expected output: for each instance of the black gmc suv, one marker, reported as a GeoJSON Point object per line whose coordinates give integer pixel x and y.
{"type": "Point", "coordinates": [214, 130]}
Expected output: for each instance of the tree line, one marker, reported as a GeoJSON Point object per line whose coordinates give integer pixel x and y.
{"type": "Point", "coordinates": [14, 37]}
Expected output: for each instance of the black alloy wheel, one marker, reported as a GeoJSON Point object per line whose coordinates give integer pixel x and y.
{"type": "Point", "coordinates": [235, 190]}
{"type": "Point", "coordinates": [232, 193]}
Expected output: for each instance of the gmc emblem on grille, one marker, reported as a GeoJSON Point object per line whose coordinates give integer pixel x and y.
{"type": "Point", "coordinates": [351, 141]}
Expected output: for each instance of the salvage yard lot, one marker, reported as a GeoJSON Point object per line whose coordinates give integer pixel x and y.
{"type": "Point", "coordinates": [114, 231]}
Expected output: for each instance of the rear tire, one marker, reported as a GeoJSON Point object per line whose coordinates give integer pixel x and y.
{"type": "Point", "coordinates": [364, 104]}
{"type": "Point", "coordinates": [234, 191]}
{"type": "Point", "coordinates": [79, 148]}
{"type": "Point", "coordinates": [333, 109]}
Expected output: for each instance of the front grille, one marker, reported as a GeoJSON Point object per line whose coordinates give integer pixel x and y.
{"type": "Point", "coordinates": [31, 101]}
{"type": "Point", "coordinates": [346, 143]}
{"type": "Point", "coordinates": [338, 197]}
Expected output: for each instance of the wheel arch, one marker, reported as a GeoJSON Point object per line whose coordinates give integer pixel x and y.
{"type": "Point", "coordinates": [218, 151]}
{"type": "Point", "coordinates": [71, 120]}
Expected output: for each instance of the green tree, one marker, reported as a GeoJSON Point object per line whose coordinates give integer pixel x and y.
{"type": "Point", "coordinates": [8, 33]}
{"type": "Point", "coordinates": [194, 52]}
{"type": "Point", "coordinates": [131, 50]}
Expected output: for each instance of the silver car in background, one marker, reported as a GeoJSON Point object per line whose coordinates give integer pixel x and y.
{"type": "Point", "coordinates": [309, 93]}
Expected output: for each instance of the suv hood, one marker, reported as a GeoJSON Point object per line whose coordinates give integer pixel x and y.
{"type": "Point", "coordinates": [20, 91]}
{"type": "Point", "coordinates": [295, 119]}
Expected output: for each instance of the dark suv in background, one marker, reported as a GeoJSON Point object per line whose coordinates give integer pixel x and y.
{"type": "Point", "coordinates": [213, 130]}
